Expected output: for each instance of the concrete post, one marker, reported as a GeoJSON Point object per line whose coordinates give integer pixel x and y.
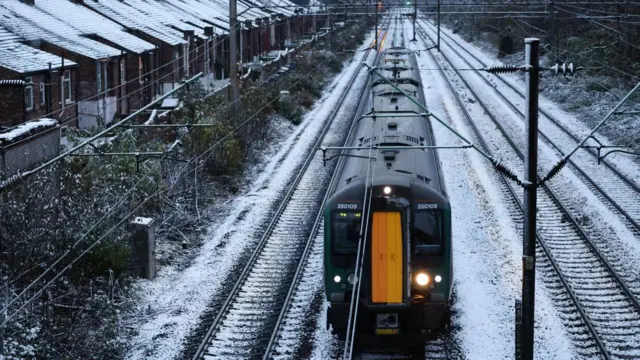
{"type": "Point", "coordinates": [144, 244]}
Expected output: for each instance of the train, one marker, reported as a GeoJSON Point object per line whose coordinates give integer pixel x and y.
{"type": "Point", "coordinates": [396, 200]}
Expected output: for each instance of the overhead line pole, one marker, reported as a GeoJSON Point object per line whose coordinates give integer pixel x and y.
{"type": "Point", "coordinates": [530, 198]}
{"type": "Point", "coordinates": [415, 16]}
{"type": "Point", "coordinates": [438, 26]}
{"type": "Point", "coordinates": [233, 70]}
{"type": "Point", "coordinates": [375, 41]}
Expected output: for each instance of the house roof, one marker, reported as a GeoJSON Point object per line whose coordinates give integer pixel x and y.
{"type": "Point", "coordinates": [88, 22]}
{"type": "Point", "coordinates": [287, 7]}
{"type": "Point", "coordinates": [167, 19]}
{"type": "Point", "coordinates": [33, 24]}
{"type": "Point", "coordinates": [25, 59]}
{"type": "Point", "coordinates": [127, 14]}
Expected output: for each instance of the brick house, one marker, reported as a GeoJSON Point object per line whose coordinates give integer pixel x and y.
{"type": "Point", "coordinates": [134, 67]}
{"type": "Point", "coordinates": [43, 31]}
{"type": "Point", "coordinates": [174, 32]}
{"type": "Point", "coordinates": [50, 83]}
{"type": "Point", "coordinates": [100, 47]}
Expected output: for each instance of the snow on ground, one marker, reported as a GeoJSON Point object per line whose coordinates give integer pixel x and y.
{"type": "Point", "coordinates": [615, 234]}
{"type": "Point", "coordinates": [579, 123]}
{"type": "Point", "coordinates": [487, 246]}
{"type": "Point", "coordinates": [171, 305]}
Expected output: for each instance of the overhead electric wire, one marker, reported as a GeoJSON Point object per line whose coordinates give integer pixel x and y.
{"type": "Point", "coordinates": [135, 186]}
{"type": "Point", "coordinates": [157, 192]}
{"type": "Point", "coordinates": [180, 58]}
{"type": "Point", "coordinates": [620, 35]}
{"type": "Point", "coordinates": [126, 96]}
{"type": "Point", "coordinates": [616, 14]}
{"type": "Point", "coordinates": [362, 245]}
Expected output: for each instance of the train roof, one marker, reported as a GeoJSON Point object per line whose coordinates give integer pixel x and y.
{"type": "Point", "coordinates": [397, 123]}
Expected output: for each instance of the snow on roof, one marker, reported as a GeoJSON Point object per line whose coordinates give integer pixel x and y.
{"type": "Point", "coordinates": [168, 15]}
{"type": "Point", "coordinates": [208, 11]}
{"type": "Point", "coordinates": [34, 25]}
{"type": "Point", "coordinates": [21, 58]}
{"type": "Point", "coordinates": [21, 130]}
{"type": "Point", "coordinates": [133, 18]}
{"type": "Point", "coordinates": [277, 6]}
{"type": "Point", "coordinates": [88, 22]}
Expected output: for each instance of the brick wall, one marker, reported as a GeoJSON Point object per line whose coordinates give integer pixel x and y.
{"type": "Point", "coordinates": [12, 106]}
{"type": "Point", "coordinates": [11, 100]}
{"type": "Point", "coordinates": [24, 154]}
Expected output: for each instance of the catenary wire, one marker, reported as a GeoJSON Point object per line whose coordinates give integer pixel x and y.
{"type": "Point", "coordinates": [157, 192]}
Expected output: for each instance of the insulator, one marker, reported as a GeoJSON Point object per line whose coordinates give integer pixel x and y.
{"type": "Point", "coordinates": [555, 170]}
{"type": "Point", "coordinates": [13, 83]}
{"type": "Point", "coordinates": [565, 69]}
{"type": "Point", "coordinates": [508, 68]}
{"type": "Point", "coordinates": [9, 182]}
{"type": "Point", "coordinates": [506, 171]}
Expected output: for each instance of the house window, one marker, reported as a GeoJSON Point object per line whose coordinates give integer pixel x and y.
{"type": "Point", "coordinates": [67, 86]}
{"type": "Point", "coordinates": [43, 94]}
{"type": "Point", "coordinates": [28, 94]}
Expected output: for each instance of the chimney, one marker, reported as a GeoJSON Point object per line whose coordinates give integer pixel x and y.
{"type": "Point", "coordinates": [188, 34]}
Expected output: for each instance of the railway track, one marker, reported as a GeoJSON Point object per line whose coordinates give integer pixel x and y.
{"type": "Point", "coordinates": [607, 182]}
{"type": "Point", "coordinates": [243, 326]}
{"type": "Point", "coordinates": [608, 313]}
{"type": "Point", "coordinates": [286, 339]}
{"type": "Point", "coordinates": [286, 335]}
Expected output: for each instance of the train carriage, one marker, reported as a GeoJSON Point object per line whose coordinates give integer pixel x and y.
{"type": "Point", "coordinates": [407, 269]}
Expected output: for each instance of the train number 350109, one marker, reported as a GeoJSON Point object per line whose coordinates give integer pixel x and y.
{"type": "Point", "coordinates": [427, 206]}
{"type": "Point", "coordinates": [347, 206]}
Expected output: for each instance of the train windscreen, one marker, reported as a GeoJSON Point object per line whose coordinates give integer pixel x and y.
{"type": "Point", "coordinates": [427, 232]}
{"type": "Point", "coordinates": [346, 231]}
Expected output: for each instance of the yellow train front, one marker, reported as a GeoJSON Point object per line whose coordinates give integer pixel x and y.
{"type": "Point", "coordinates": [405, 222]}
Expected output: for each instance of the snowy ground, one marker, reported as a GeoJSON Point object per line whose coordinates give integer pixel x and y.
{"type": "Point", "coordinates": [487, 246]}
{"type": "Point", "coordinates": [487, 251]}
{"type": "Point", "coordinates": [487, 241]}
{"type": "Point", "coordinates": [586, 96]}
{"type": "Point", "coordinates": [171, 305]}
{"type": "Point", "coordinates": [575, 121]}
{"type": "Point", "coordinates": [611, 233]}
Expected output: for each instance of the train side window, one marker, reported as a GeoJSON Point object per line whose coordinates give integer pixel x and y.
{"type": "Point", "coordinates": [346, 231]}
{"type": "Point", "coordinates": [427, 232]}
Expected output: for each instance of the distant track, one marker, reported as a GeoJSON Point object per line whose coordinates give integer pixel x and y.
{"type": "Point", "coordinates": [243, 326]}
{"type": "Point", "coordinates": [584, 280]}
{"type": "Point", "coordinates": [614, 188]}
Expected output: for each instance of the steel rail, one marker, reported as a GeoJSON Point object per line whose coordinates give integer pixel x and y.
{"type": "Point", "coordinates": [602, 192]}
{"type": "Point", "coordinates": [200, 352]}
{"type": "Point", "coordinates": [586, 320]}
{"type": "Point", "coordinates": [316, 227]}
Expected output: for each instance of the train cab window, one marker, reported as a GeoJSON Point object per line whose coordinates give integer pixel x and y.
{"type": "Point", "coordinates": [346, 231]}
{"type": "Point", "coordinates": [427, 232]}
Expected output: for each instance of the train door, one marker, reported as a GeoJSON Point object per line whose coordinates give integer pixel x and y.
{"type": "Point", "coordinates": [386, 258]}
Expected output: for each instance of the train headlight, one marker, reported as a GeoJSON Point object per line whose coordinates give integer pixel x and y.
{"type": "Point", "coordinates": [422, 279]}
{"type": "Point", "coordinates": [351, 279]}
{"type": "Point", "coordinates": [386, 190]}
{"type": "Point", "coordinates": [337, 278]}
{"type": "Point", "coordinates": [438, 278]}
